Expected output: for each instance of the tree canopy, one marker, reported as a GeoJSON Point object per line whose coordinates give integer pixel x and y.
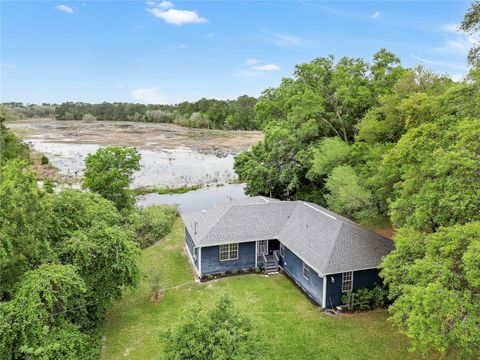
{"type": "Point", "coordinates": [109, 172]}
{"type": "Point", "coordinates": [63, 257]}
{"type": "Point", "coordinates": [220, 333]}
{"type": "Point", "coordinates": [377, 140]}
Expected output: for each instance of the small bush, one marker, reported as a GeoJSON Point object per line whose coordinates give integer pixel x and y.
{"type": "Point", "coordinates": [156, 283]}
{"type": "Point", "coordinates": [210, 277]}
{"type": "Point", "coordinates": [88, 117]}
{"type": "Point", "coordinates": [234, 272]}
{"type": "Point", "coordinates": [48, 186]}
{"type": "Point", "coordinates": [257, 270]}
{"type": "Point", "coordinates": [151, 223]}
{"type": "Point", "coordinates": [364, 299]}
{"type": "Point", "coordinates": [222, 274]}
{"type": "Point", "coordinates": [44, 160]}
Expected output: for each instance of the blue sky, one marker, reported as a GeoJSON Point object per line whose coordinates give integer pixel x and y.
{"type": "Point", "coordinates": [166, 52]}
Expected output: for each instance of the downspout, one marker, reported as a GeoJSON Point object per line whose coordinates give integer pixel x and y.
{"type": "Point", "coordinates": [200, 261]}
{"type": "Point", "coordinates": [324, 294]}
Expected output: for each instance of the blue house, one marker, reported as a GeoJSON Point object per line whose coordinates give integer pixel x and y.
{"type": "Point", "coordinates": [324, 253]}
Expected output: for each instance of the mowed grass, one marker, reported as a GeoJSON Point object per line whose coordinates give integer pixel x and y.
{"type": "Point", "coordinates": [290, 325]}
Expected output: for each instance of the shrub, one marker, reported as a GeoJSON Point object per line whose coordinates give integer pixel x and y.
{"type": "Point", "coordinates": [89, 117]}
{"type": "Point", "coordinates": [44, 160]}
{"type": "Point", "coordinates": [156, 283]}
{"type": "Point", "coordinates": [364, 299]}
{"type": "Point", "coordinates": [219, 333]}
{"type": "Point", "coordinates": [151, 223]}
{"type": "Point", "coordinates": [210, 276]}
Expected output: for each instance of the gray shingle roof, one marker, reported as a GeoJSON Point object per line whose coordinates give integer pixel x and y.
{"type": "Point", "coordinates": [327, 242]}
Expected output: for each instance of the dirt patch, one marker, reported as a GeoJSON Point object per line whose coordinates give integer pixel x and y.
{"type": "Point", "coordinates": [148, 136]}
{"type": "Point", "coordinates": [388, 232]}
{"type": "Point", "coordinates": [44, 171]}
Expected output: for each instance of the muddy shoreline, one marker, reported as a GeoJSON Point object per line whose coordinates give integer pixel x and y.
{"type": "Point", "coordinates": [172, 156]}
{"type": "Point", "coordinates": [147, 136]}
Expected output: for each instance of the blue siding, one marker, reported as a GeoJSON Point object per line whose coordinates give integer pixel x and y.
{"type": "Point", "coordinates": [191, 247]}
{"type": "Point", "coordinates": [361, 279]}
{"type": "Point", "coordinates": [211, 263]}
{"type": "Point", "coordinates": [293, 266]}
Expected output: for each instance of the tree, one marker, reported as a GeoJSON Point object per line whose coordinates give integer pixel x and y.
{"type": "Point", "coordinates": [221, 333]}
{"type": "Point", "coordinates": [72, 210]}
{"type": "Point", "coordinates": [435, 279]}
{"type": "Point", "coordinates": [109, 172]}
{"type": "Point", "coordinates": [324, 99]}
{"type": "Point", "coordinates": [438, 165]}
{"type": "Point", "coordinates": [108, 261]}
{"type": "Point", "coordinates": [23, 244]}
{"type": "Point", "coordinates": [471, 25]}
{"type": "Point", "coordinates": [330, 153]}
{"type": "Point", "coordinates": [43, 319]}
{"type": "Point", "coordinates": [152, 223]}
{"type": "Point", "coordinates": [11, 147]}
{"type": "Point", "coordinates": [347, 196]}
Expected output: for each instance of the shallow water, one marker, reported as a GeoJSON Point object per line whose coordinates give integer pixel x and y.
{"type": "Point", "coordinates": [197, 200]}
{"type": "Point", "coordinates": [161, 167]}
{"type": "Point", "coordinates": [171, 155]}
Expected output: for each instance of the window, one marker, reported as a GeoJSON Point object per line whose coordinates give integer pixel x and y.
{"type": "Point", "coordinates": [306, 271]}
{"type": "Point", "coordinates": [282, 250]}
{"type": "Point", "coordinates": [347, 281]}
{"type": "Point", "coordinates": [228, 252]}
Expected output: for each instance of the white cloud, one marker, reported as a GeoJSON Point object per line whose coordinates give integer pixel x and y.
{"type": "Point", "coordinates": [178, 17]}
{"type": "Point", "coordinates": [150, 3]}
{"type": "Point", "coordinates": [179, 46]}
{"type": "Point", "coordinates": [460, 45]}
{"type": "Point", "coordinates": [149, 96]}
{"type": "Point", "coordinates": [65, 9]}
{"type": "Point", "coordinates": [285, 40]}
{"type": "Point", "coordinates": [375, 15]}
{"type": "Point", "coordinates": [450, 28]}
{"type": "Point", "coordinates": [266, 67]}
{"type": "Point", "coordinates": [458, 77]}
{"type": "Point", "coordinates": [165, 4]}
{"type": "Point", "coordinates": [252, 62]}
{"type": "Point", "coordinates": [441, 63]}
{"type": "Point", "coordinates": [256, 67]}
{"type": "Point", "coordinates": [6, 68]}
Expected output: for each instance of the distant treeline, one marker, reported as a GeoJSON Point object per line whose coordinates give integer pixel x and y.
{"type": "Point", "coordinates": [25, 111]}
{"type": "Point", "coordinates": [204, 113]}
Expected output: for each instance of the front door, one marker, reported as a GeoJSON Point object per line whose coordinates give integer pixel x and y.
{"type": "Point", "coordinates": [262, 247]}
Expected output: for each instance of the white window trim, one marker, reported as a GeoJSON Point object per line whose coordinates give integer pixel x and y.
{"type": "Point", "coordinates": [343, 281]}
{"type": "Point", "coordinates": [228, 252]}
{"type": "Point", "coordinates": [282, 247]}
{"type": "Point", "coordinates": [308, 272]}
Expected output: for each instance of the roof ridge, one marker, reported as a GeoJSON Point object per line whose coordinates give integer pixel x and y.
{"type": "Point", "coordinates": [227, 206]}
{"type": "Point", "coordinates": [288, 216]}
{"type": "Point", "coordinates": [334, 243]}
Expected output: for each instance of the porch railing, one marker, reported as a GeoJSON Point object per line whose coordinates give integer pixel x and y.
{"type": "Point", "coordinates": [276, 258]}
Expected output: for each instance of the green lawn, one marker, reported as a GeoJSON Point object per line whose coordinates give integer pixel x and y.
{"type": "Point", "coordinates": [291, 326]}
